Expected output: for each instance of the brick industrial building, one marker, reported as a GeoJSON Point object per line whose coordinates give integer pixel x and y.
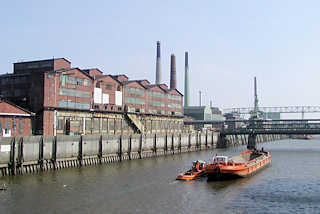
{"type": "Point", "coordinates": [14, 120]}
{"type": "Point", "coordinates": [69, 100]}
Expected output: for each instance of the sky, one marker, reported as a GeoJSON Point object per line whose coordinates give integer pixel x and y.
{"type": "Point", "coordinates": [229, 42]}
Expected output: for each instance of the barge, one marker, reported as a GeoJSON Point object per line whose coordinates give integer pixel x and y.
{"type": "Point", "coordinates": [243, 165]}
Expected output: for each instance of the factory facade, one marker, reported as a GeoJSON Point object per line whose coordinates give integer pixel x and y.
{"type": "Point", "coordinates": [67, 100]}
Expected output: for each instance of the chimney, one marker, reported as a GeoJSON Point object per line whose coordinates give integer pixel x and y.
{"type": "Point", "coordinates": [186, 80]}
{"type": "Point", "coordinates": [173, 73]}
{"type": "Point", "coordinates": [158, 64]}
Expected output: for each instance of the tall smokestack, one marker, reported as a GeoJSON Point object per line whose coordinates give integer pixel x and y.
{"type": "Point", "coordinates": [173, 73]}
{"type": "Point", "coordinates": [158, 64]}
{"type": "Point", "coordinates": [186, 80]}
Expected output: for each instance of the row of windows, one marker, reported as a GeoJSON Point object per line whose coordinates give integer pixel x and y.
{"type": "Point", "coordinates": [111, 125]}
{"type": "Point", "coordinates": [74, 93]}
{"type": "Point", "coordinates": [136, 91]}
{"type": "Point", "coordinates": [76, 105]}
{"type": "Point", "coordinates": [156, 103]}
{"type": "Point", "coordinates": [152, 111]}
{"type": "Point", "coordinates": [156, 94]}
{"type": "Point", "coordinates": [7, 125]}
{"type": "Point", "coordinates": [91, 125]}
{"type": "Point", "coordinates": [65, 79]}
{"type": "Point", "coordinates": [134, 100]}
{"type": "Point", "coordinates": [13, 80]}
{"type": "Point", "coordinates": [174, 97]}
{"type": "Point", "coordinates": [174, 105]}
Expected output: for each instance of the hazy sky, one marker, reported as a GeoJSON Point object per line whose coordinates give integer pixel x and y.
{"type": "Point", "coordinates": [229, 42]}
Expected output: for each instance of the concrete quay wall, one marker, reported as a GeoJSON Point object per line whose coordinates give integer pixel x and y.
{"type": "Point", "coordinates": [20, 155]}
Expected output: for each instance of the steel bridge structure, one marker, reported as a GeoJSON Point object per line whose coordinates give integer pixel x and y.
{"type": "Point", "coordinates": [252, 128]}
{"type": "Point", "coordinates": [284, 109]}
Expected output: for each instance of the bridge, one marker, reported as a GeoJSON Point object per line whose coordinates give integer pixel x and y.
{"type": "Point", "coordinates": [283, 109]}
{"type": "Point", "coordinates": [252, 128]}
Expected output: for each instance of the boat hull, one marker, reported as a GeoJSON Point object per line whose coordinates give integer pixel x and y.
{"type": "Point", "coordinates": [190, 176]}
{"type": "Point", "coordinates": [233, 171]}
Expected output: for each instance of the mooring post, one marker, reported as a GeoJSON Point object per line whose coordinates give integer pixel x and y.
{"type": "Point", "coordinates": [189, 141]}
{"type": "Point", "coordinates": [40, 159]}
{"type": "Point", "coordinates": [54, 152]}
{"type": "Point", "coordinates": [20, 155]}
{"type": "Point", "coordinates": [130, 146]}
{"type": "Point", "coordinates": [206, 143]}
{"type": "Point", "coordinates": [100, 150]}
{"type": "Point", "coordinates": [12, 163]}
{"type": "Point", "coordinates": [180, 142]}
{"type": "Point", "coordinates": [222, 142]}
{"type": "Point", "coordinates": [120, 148]}
{"type": "Point", "coordinates": [251, 141]}
{"type": "Point", "coordinates": [172, 143]}
{"type": "Point", "coordinates": [80, 151]}
{"type": "Point", "coordinates": [155, 144]}
{"type": "Point", "coordinates": [166, 143]}
{"type": "Point", "coordinates": [212, 143]}
{"type": "Point", "coordinates": [140, 147]}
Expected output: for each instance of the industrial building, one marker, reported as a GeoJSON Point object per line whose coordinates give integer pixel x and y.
{"type": "Point", "coordinates": [203, 113]}
{"type": "Point", "coordinates": [14, 120]}
{"type": "Point", "coordinates": [72, 101]}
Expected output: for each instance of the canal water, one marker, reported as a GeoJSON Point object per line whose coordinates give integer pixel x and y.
{"type": "Point", "coordinates": [290, 185]}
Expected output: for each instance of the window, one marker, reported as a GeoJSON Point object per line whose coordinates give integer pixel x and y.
{"type": "Point", "coordinates": [14, 125]}
{"type": "Point", "coordinates": [74, 93]}
{"type": "Point", "coordinates": [137, 91]}
{"type": "Point", "coordinates": [156, 103]}
{"type": "Point", "coordinates": [124, 125]}
{"type": "Point", "coordinates": [174, 97]}
{"type": "Point", "coordinates": [75, 105]}
{"type": "Point", "coordinates": [60, 124]}
{"type": "Point", "coordinates": [86, 82]}
{"type": "Point", "coordinates": [104, 124]}
{"type": "Point", "coordinates": [174, 105]}
{"type": "Point", "coordinates": [109, 86]}
{"type": "Point", "coordinates": [111, 124]}
{"type": "Point", "coordinates": [96, 124]}
{"type": "Point", "coordinates": [6, 124]}
{"type": "Point", "coordinates": [88, 124]}
{"type": "Point", "coordinates": [134, 100]}
{"type": "Point", "coordinates": [156, 94]}
{"type": "Point", "coordinates": [117, 124]}
{"type": "Point", "coordinates": [66, 79]}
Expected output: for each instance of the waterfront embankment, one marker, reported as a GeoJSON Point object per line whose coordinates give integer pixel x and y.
{"type": "Point", "coordinates": [20, 155]}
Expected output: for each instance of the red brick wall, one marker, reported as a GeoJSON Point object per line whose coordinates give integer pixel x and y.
{"type": "Point", "coordinates": [94, 71]}
{"type": "Point", "coordinates": [125, 94]}
{"type": "Point", "coordinates": [115, 85]}
{"type": "Point", "coordinates": [164, 100]}
{"type": "Point", "coordinates": [122, 78]}
{"type": "Point", "coordinates": [61, 63]}
{"type": "Point", "coordinates": [48, 123]}
{"type": "Point", "coordinates": [174, 92]}
{"type": "Point", "coordinates": [26, 120]}
{"type": "Point", "coordinates": [26, 125]}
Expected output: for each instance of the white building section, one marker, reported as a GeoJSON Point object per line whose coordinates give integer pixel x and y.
{"type": "Point", "coordinates": [105, 98]}
{"type": "Point", "coordinates": [118, 98]}
{"type": "Point", "coordinates": [97, 95]}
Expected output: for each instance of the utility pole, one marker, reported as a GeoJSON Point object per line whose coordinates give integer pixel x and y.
{"type": "Point", "coordinates": [200, 98]}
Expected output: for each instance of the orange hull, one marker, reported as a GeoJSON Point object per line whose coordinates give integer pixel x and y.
{"type": "Point", "coordinates": [233, 169]}
{"type": "Point", "coordinates": [187, 176]}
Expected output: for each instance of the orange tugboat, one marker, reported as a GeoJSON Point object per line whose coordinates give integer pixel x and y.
{"type": "Point", "coordinates": [243, 165]}
{"type": "Point", "coordinates": [197, 171]}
